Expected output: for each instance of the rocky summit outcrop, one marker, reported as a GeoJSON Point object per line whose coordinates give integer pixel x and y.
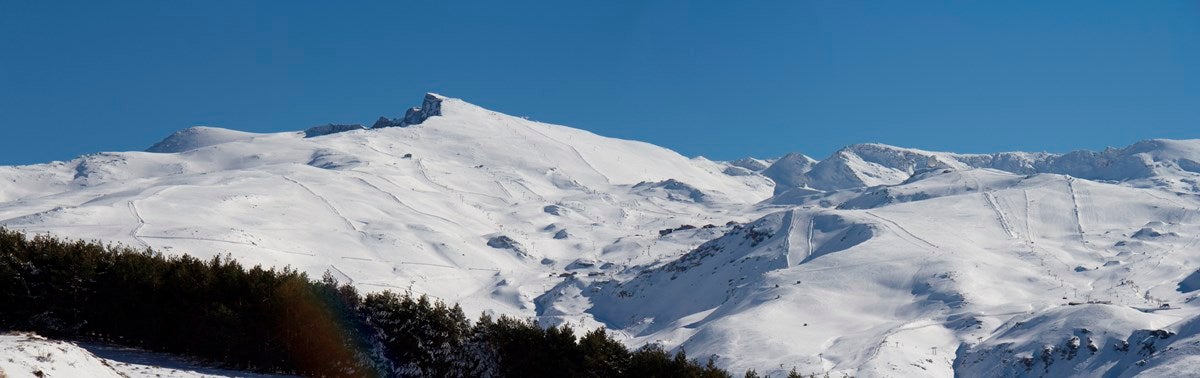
{"type": "Point", "coordinates": [330, 129]}
{"type": "Point", "coordinates": [430, 107]}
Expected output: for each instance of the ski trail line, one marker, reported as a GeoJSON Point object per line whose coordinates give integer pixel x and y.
{"type": "Point", "coordinates": [327, 204]}
{"type": "Point", "coordinates": [576, 150]}
{"type": "Point", "coordinates": [1075, 210]}
{"type": "Point", "coordinates": [138, 215]}
{"type": "Point", "coordinates": [424, 168]}
{"type": "Point", "coordinates": [1028, 227]}
{"type": "Point", "coordinates": [835, 267]}
{"type": "Point", "coordinates": [1029, 236]}
{"type": "Point", "coordinates": [351, 279]}
{"type": "Point", "coordinates": [525, 186]}
{"type": "Point", "coordinates": [811, 224]}
{"type": "Point", "coordinates": [991, 201]}
{"type": "Point", "coordinates": [446, 266]}
{"type": "Point", "coordinates": [905, 231]}
{"type": "Point", "coordinates": [789, 221]}
{"type": "Point", "coordinates": [398, 201]}
{"type": "Point", "coordinates": [226, 241]}
{"type": "Point", "coordinates": [141, 223]}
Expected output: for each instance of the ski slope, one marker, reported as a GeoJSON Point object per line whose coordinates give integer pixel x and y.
{"type": "Point", "coordinates": [875, 261]}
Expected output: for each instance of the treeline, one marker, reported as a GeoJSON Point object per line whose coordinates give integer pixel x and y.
{"type": "Point", "coordinates": [280, 321]}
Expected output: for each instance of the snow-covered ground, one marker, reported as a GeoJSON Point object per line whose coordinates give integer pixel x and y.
{"type": "Point", "coordinates": [27, 355]}
{"type": "Point", "coordinates": [876, 261]}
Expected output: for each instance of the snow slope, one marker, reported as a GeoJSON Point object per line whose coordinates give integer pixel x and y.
{"type": "Point", "coordinates": [28, 355]}
{"type": "Point", "coordinates": [391, 208]}
{"type": "Point", "coordinates": [876, 261]}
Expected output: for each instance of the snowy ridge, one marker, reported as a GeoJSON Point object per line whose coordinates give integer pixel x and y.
{"type": "Point", "coordinates": [876, 261]}
{"type": "Point", "coordinates": [392, 208]}
{"type": "Point", "coordinates": [864, 165]}
{"type": "Point", "coordinates": [197, 137]}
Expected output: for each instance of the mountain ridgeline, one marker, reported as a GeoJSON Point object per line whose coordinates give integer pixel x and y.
{"type": "Point", "coordinates": [874, 261]}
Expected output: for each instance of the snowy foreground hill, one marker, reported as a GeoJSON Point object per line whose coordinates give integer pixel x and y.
{"type": "Point", "coordinates": [876, 261]}
{"type": "Point", "coordinates": [26, 355]}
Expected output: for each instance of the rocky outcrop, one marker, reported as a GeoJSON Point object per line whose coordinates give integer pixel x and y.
{"type": "Point", "coordinates": [385, 122]}
{"type": "Point", "coordinates": [750, 163]}
{"type": "Point", "coordinates": [555, 210]}
{"type": "Point", "coordinates": [330, 129]}
{"type": "Point", "coordinates": [430, 107]}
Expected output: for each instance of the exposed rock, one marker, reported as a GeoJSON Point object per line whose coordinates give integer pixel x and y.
{"type": "Point", "coordinates": [330, 129]}
{"type": "Point", "coordinates": [430, 107]}
{"type": "Point", "coordinates": [502, 242]}
{"type": "Point", "coordinates": [561, 234]}
{"type": "Point", "coordinates": [737, 171]}
{"type": "Point", "coordinates": [750, 163]}
{"type": "Point", "coordinates": [581, 264]}
{"type": "Point", "coordinates": [385, 122]}
{"type": "Point", "coordinates": [555, 210]}
{"type": "Point", "coordinates": [668, 231]}
{"type": "Point", "coordinates": [673, 189]}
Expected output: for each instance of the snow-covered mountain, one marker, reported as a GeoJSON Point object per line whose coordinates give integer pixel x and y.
{"type": "Point", "coordinates": [865, 165]}
{"type": "Point", "coordinates": [875, 261]}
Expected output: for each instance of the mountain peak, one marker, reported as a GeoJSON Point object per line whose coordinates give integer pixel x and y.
{"type": "Point", "coordinates": [788, 172]}
{"type": "Point", "coordinates": [431, 106]}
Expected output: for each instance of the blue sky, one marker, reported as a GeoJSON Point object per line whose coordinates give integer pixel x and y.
{"type": "Point", "coordinates": [719, 79]}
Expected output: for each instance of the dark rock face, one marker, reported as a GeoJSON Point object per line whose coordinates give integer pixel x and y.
{"type": "Point", "coordinates": [748, 163]}
{"type": "Point", "coordinates": [430, 107]}
{"type": "Point", "coordinates": [554, 210]}
{"type": "Point", "coordinates": [385, 122]}
{"type": "Point", "coordinates": [580, 264]}
{"type": "Point", "coordinates": [737, 171]}
{"type": "Point", "coordinates": [502, 242]}
{"type": "Point", "coordinates": [561, 234]}
{"type": "Point", "coordinates": [330, 129]}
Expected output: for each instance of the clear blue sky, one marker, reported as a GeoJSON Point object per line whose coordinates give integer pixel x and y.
{"type": "Point", "coordinates": [716, 78]}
